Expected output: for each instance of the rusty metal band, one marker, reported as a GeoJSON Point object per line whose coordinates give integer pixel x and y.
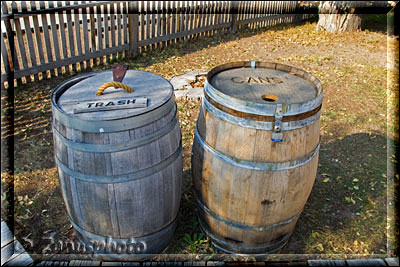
{"type": "Point", "coordinates": [266, 109]}
{"type": "Point", "coordinates": [259, 124]}
{"type": "Point", "coordinates": [230, 247]}
{"type": "Point", "coordinates": [257, 117]}
{"type": "Point", "coordinates": [140, 238]}
{"type": "Point", "coordinates": [126, 145]}
{"type": "Point", "coordinates": [167, 230]}
{"type": "Point", "coordinates": [231, 223]}
{"type": "Point", "coordinates": [255, 165]}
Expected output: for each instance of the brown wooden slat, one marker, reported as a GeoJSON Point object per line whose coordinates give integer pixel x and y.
{"type": "Point", "coordinates": [5, 49]}
{"type": "Point", "coordinates": [181, 20]}
{"type": "Point", "coordinates": [62, 29]}
{"type": "Point", "coordinates": [173, 17]}
{"type": "Point", "coordinates": [119, 25]}
{"type": "Point", "coordinates": [153, 23]}
{"type": "Point", "coordinates": [168, 20]}
{"type": "Point", "coordinates": [141, 23]}
{"type": "Point", "coordinates": [92, 46]}
{"type": "Point", "coordinates": [217, 15]}
{"type": "Point", "coordinates": [100, 38]}
{"type": "Point", "coordinates": [85, 29]}
{"type": "Point", "coordinates": [78, 37]}
{"type": "Point", "coordinates": [148, 19]}
{"type": "Point", "coordinates": [106, 30]}
{"type": "Point", "coordinates": [210, 17]}
{"type": "Point", "coordinates": [164, 22]}
{"type": "Point", "coordinates": [157, 22]}
{"type": "Point", "coordinates": [112, 24]}
{"type": "Point", "coordinates": [191, 21]}
{"type": "Point", "coordinates": [20, 49]}
{"type": "Point", "coordinates": [56, 46]}
{"type": "Point", "coordinates": [160, 22]}
{"type": "Point", "coordinates": [125, 22]}
{"type": "Point", "coordinates": [200, 16]}
{"type": "Point", "coordinates": [29, 37]}
{"type": "Point", "coordinates": [38, 37]}
{"type": "Point", "coordinates": [70, 36]}
{"type": "Point", "coordinates": [133, 27]}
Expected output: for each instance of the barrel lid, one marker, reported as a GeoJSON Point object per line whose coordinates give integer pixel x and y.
{"type": "Point", "coordinates": [77, 98]}
{"type": "Point", "coordinates": [258, 87]}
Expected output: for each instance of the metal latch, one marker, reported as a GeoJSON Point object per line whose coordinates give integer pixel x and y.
{"type": "Point", "coordinates": [277, 135]}
{"type": "Point", "coordinates": [119, 72]}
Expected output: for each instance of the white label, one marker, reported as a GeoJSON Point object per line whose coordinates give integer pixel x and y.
{"type": "Point", "coordinates": [111, 104]}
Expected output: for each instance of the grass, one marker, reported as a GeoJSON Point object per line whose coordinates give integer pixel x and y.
{"type": "Point", "coordinates": [346, 213]}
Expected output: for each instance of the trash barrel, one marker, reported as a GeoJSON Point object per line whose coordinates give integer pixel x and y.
{"type": "Point", "coordinates": [119, 158]}
{"type": "Point", "coordinates": [255, 153]}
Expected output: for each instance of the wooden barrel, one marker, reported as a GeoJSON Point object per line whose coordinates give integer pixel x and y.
{"type": "Point", "coordinates": [255, 154]}
{"type": "Point", "coordinates": [119, 160]}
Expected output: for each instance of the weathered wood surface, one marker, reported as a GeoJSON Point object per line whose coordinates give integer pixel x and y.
{"type": "Point", "coordinates": [64, 44]}
{"type": "Point", "coordinates": [12, 252]}
{"type": "Point", "coordinates": [326, 263]}
{"type": "Point", "coordinates": [130, 208]}
{"type": "Point", "coordinates": [252, 203]}
{"type": "Point", "coordinates": [251, 84]}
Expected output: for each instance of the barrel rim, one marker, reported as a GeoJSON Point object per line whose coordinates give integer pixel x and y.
{"type": "Point", "coordinates": [105, 125]}
{"type": "Point", "coordinates": [64, 86]}
{"type": "Point", "coordinates": [263, 109]}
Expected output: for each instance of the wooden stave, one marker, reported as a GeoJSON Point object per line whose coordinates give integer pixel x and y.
{"type": "Point", "coordinates": [208, 120]}
{"type": "Point", "coordinates": [220, 230]}
{"type": "Point", "coordinates": [249, 237]}
{"type": "Point", "coordinates": [174, 170]}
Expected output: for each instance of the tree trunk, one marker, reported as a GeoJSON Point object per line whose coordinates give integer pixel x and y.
{"type": "Point", "coordinates": [339, 16]}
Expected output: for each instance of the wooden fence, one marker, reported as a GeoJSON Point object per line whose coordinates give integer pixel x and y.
{"type": "Point", "coordinates": [48, 38]}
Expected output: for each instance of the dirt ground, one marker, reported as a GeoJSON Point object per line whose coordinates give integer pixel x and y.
{"type": "Point", "coordinates": [346, 213]}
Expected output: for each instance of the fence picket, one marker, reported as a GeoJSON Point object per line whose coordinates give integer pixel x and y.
{"type": "Point", "coordinates": [85, 30]}
{"type": "Point", "coordinates": [92, 45]}
{"type": "Point", "coordinates": [78, 36]}
{"type": "Point", "coordinates": [47, 41]}
{"type": "Point", "coordinates": [148, 22]}
{"type": "Point", "coordinates": [125, 22]}
{"type": "Point", "coordinates": [153, 23]}
{"type": "Point", "coordinates": [38, 37]}
{"type": "Point", "coordinates": [133, 27]}
{"type": "Point", "coordinates": [55, 42]}
{"type": "Point", "coordinates": [29, 38]}
{"type": "Point", "coordinates": [6, 60]}
{"type": "Point", "coordinates": [7, 52]}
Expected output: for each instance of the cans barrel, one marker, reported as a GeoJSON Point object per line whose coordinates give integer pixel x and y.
{"type": "Point", "coordinates": [119, 160]}
{"type": "Point", "coordinates": [255, 153]}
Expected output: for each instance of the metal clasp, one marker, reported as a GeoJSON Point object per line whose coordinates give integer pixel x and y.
{"type": "Point", "coordinates": [277, 135]}
{"type": "Point", "coordinates": [119, 72]}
